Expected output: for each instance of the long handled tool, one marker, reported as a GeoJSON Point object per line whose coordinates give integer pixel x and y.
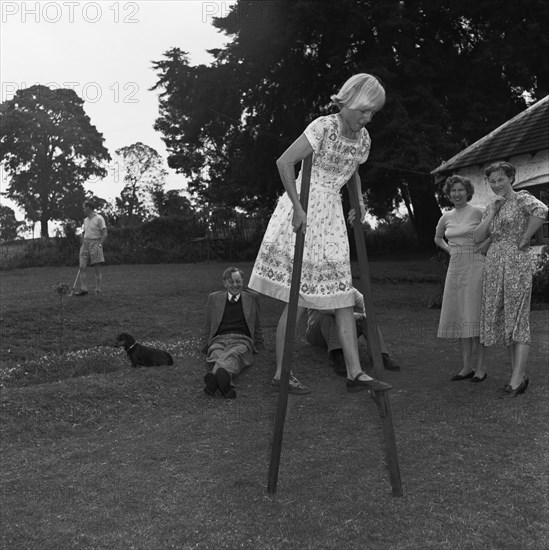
{"type": "Point", "coordinates": [75, 281]}
{"type": "Point", "coordinates": [290, 333]}
{"type": "Point", "coordinates": [381, 397]}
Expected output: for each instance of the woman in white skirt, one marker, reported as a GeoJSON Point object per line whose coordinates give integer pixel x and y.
{"type": "Point", "coordinates": [339, 143]}
{"type": "Point", "coordinates": [462, 299]}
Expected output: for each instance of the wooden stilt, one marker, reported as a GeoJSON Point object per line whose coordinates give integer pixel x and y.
{"type": "Point", "coordinates": [290, 334]}
{"type": "Point", "coordinates": [381, 397]}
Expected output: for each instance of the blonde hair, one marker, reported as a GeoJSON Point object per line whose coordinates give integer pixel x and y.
{"type": "Point", "coordinates": [362, 91]}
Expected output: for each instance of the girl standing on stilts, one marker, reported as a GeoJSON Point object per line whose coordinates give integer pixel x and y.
{"type": "Point", "coordinates": [339, 143]}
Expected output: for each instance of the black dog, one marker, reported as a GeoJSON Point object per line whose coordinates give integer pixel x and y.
{"type": "Point", "coordinates": [142, 356]}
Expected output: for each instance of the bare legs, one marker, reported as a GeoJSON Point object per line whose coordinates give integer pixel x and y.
{"type": "Point", "coordinates": [519, 357]}
{"type": "Point", "coordinates": [466, 347]}
{"type": "Point", "coordinates": [281, 335]}
{"type": "Point", "coordinates": [98, 278]}
{"type": "Point", "coordinates": [84, 278]}
{"type": "Point", "coordinates": [469, 348]}
{"type": "Point", "coordinates": [346, 330]}
{"type": "Point", "coordinates": [480, 351]}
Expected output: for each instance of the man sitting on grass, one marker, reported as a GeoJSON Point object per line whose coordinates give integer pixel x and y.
{"type": "Point", "coordinates": [231, 334]}
{"type": "Point", "coordinates": [321, 331]}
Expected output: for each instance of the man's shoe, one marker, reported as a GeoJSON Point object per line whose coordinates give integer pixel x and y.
{"type": "Point", "coordinates": [294, 385]}
{"type": "Point", "coordinates": [223, 379]}
{"type": "Point", "coordinates": [81, 293]}
{"type": "Point", "coordinates": [211, 383]}
{"type": "Point", "coordinates": [388, 363]}
{"type": "Point", "coordinates": [358, 384]}
{"type": "Point", "coordinates": [231, 394]}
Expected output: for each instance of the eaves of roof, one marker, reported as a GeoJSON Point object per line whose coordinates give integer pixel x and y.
{"type": "Point", "coordinates": [526, 133]}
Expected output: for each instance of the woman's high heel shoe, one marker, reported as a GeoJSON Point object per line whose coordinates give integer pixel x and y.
{"type": "Point", "coordinates": [458, 377]}
{"type": "Point", "coordinates": [513, 392]}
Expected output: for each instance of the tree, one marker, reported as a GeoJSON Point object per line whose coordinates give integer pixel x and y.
{"type": "Point", "coordinates": [171, 203]}
{"type": "Point", "coordinates": [144, 175]}
{"type": "Point", "coordinates": [452, 72]}
{"type": "Point", "coordinates": [49, 148]}
{"type": "Point", "coordinates": [9, 225]}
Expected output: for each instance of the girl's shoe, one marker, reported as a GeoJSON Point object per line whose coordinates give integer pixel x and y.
{"type": "Point", "coordinates": [358, 385]}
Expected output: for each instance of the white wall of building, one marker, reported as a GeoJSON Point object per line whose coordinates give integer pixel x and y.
{"type": "Point", "coordinates": [531, 171]}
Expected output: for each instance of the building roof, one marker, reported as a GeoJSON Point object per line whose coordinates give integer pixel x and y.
{"type": "Point", "coordinates": [528, 132]}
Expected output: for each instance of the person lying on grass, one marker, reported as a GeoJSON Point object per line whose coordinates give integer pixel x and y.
{"type": "Point", "coordinates": [321, 331]}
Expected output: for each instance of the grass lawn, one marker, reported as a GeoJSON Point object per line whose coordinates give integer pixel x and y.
{"type": "Point", "coordinates": [97, 455]}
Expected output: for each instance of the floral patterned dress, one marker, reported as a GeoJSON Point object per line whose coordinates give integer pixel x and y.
{"type": "Point", "coordinates": [507, 286]}
{"type": "Point", "coordinates": [326, 281]}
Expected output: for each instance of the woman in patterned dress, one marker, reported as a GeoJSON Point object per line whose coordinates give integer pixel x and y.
{"type": "Point", "coordinates": [510, 221]}
{"type": "Point", "coordinates": [339, 143]}
{"type": "Point", "coordinates": [460, 313]}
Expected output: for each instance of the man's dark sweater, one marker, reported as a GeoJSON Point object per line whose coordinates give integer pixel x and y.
{"type": "Point", "coordinates": [233, 321]}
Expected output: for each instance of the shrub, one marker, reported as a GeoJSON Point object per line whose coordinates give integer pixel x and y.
{"type": "Point", "coordinates": [540, 282]}
{"type": "Point", "coordinates": [392, 234]}
{"type": "Point", "coordinates": [67, 247]}
{"type": "Point", "coordinates": [442, 258]}
{"type": "Point", "coordinates": [162, 240]}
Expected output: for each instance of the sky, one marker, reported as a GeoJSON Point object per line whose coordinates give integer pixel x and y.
{"type": "Point", "coordinates": [104, 51]}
